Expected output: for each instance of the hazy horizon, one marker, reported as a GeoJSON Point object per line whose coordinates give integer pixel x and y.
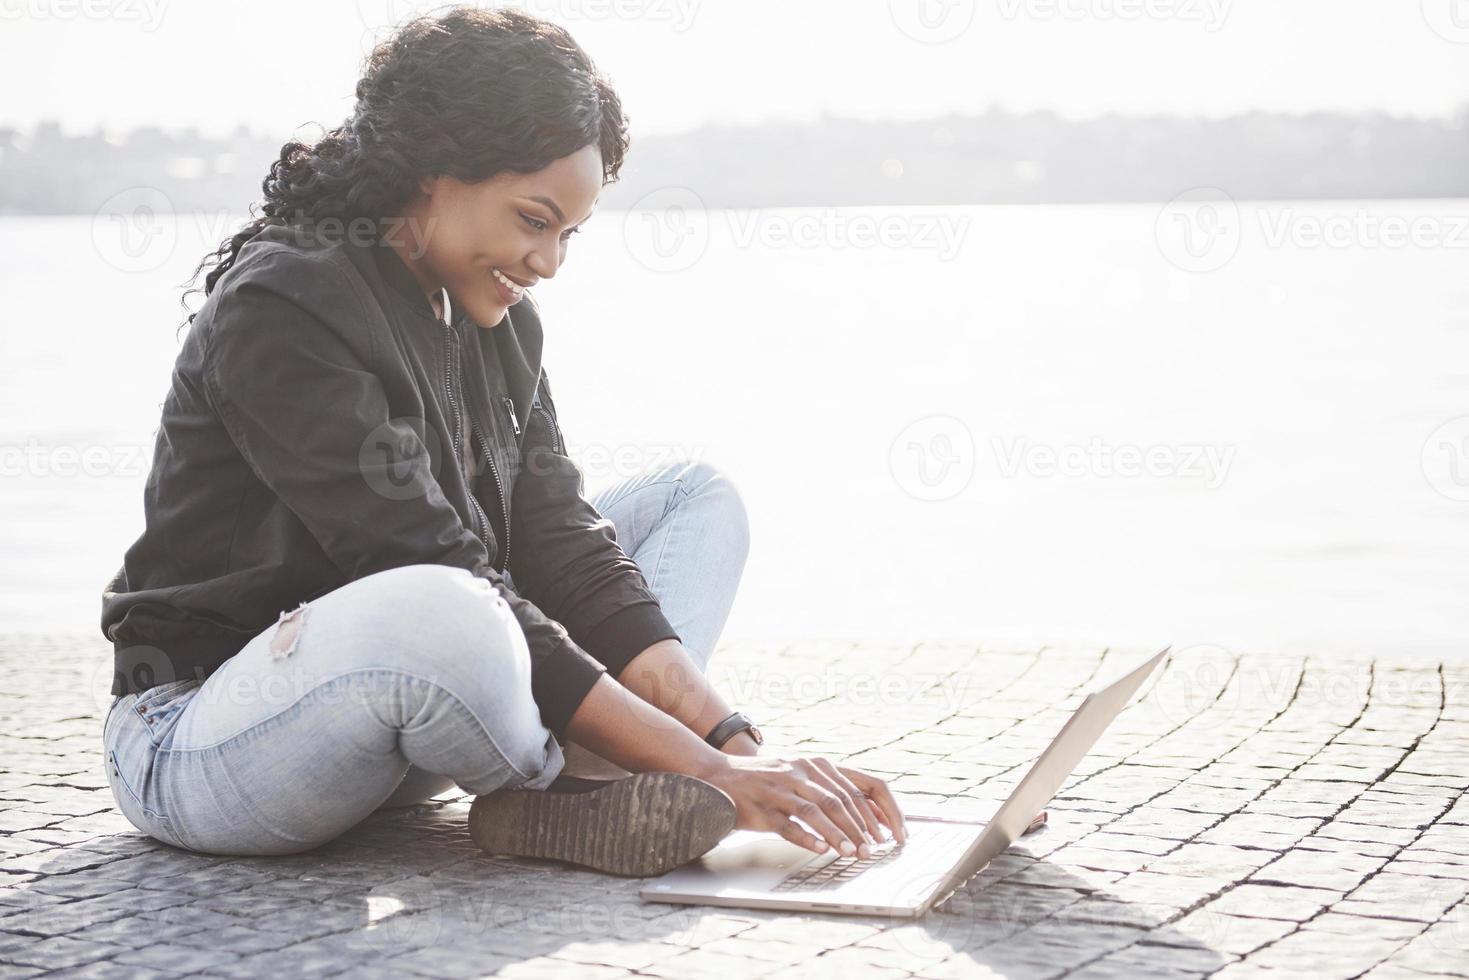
{"type": "Point", "coordinates": [683, 64]}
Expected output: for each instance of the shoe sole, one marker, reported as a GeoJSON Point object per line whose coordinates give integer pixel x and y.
{"type": "Point", "coordinates": [645, 824]}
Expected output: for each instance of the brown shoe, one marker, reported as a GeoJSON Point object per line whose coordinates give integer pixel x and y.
{"type": "Point", "coordinates": [643, 825]}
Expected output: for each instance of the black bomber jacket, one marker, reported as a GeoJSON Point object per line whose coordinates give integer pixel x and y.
{"type": "Point", "coordinates": [310, 437]}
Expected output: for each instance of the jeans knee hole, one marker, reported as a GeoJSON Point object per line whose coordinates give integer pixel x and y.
{"type": "Point", "coordinates": [287, 632]}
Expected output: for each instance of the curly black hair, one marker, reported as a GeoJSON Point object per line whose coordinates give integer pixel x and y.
{"type": "Point", "coordinates": [467, 92]}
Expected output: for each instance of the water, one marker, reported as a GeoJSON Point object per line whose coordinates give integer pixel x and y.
{"type": "Point", "coordinates": [1296, 501]}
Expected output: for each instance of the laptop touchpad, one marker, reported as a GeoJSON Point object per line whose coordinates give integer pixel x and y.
{"type": "Point", "coordinates": [746, 859]}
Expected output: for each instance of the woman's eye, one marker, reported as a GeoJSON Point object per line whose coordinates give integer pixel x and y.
{"type": "Point", "coordinates": [540, 225]}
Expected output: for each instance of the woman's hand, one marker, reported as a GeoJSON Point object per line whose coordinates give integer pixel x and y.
{"type": "Point", "coordinates": [846, 807]}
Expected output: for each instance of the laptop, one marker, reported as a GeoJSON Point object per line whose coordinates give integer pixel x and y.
{"type": "Point", "coordinates": [761, 870]}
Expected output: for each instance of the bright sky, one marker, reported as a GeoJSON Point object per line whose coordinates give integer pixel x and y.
{"type": "Point", "coordinates": [277, 64]}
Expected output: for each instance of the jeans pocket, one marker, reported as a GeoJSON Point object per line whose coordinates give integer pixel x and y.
{"type": "Point", "coordinates": [131, 758]}
{"type": "Point", "coordinates": [159, 707]}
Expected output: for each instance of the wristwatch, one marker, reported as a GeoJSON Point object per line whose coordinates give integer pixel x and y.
{"type": "Point", "coordinates": [730, 727]}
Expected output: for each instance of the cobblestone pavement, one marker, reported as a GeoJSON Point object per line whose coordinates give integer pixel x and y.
{"type": "Point", "coordinates": [1247, 815]}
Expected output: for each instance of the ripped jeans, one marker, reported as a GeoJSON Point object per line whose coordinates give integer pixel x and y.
{"type": "Point", "coordinates": [388, 696]}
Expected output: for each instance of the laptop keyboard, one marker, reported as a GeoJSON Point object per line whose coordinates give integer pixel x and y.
{"type": "Point", "coordinates": [932, 838]}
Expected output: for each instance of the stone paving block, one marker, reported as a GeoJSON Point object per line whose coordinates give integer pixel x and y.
{"type": "Point", "coordinates": [57, 952]}
{"type": "Point", "coordinates": [1337, 872]}
{"type": "Point", "coordinates": [1287, 902]}
{"type": "Point", "coordinates": [1210, 861]}
{"type": "Point", "coordinates": [1194, 960]}
{"type": "Point", "coordinates": [1326, 955]}
{"type": "Point", "coordinates": [1361, 925]}
{"type": "Point", "coordinates": [1307, 816]}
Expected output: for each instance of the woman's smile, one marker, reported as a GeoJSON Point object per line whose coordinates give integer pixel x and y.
{"type": "Point", "coordinates": [509, 290]}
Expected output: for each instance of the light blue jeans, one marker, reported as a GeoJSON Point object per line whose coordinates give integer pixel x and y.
{"type": "Point", "coordinates": [402, 684]}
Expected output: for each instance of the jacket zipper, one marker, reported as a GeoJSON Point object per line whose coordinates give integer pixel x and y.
{"type": "Point", "coordinates": [510, 410]}
{"type": "Point", "coordinates": [451, 371]}
{"type": "Point", "coordinates": [550, 424]}
{"type": "Point", "coordinates": [499, 489]}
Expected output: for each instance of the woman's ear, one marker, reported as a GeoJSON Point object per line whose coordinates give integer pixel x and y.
{"type": "Point", "coordinates": [428, 184]}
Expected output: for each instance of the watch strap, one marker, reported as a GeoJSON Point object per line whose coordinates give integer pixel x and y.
{"type": "Point", "coordinates": [727, 729]}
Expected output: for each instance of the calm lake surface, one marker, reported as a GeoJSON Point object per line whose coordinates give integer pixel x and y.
{"type": "Point", "coordinates": [1006, 425]}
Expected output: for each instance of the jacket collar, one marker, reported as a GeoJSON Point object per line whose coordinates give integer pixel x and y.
{"type": "Point", "coordinates": [517, 340]}
{"type": "Point", "coordinates": [401, 281]}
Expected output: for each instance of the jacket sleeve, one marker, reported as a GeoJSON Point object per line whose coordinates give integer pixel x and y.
{"type": "Point", "coordinates": [361, 481]}
{"type": "Point", "coordinates": [567, 558]}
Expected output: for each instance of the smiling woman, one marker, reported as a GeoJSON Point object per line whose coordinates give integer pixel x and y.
{"type": "Point", "coordinates": [479, 134]}
{"type": "Point", "coordinates": [322, 617]}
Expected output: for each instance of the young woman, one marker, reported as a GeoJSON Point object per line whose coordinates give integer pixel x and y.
{"type": "Point", "coordinates": [368, 573]}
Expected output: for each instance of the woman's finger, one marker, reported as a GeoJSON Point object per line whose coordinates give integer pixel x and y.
{"type": "Point", "coordinates": [865, 807]}
{"type": "Point", "coordinates": [818, 809]}
{"type": "Point", "coordinates": [847, 817]}
{"type": "Point", "coordinates": [795, 833]}
{"type": "Point", "coordinates": [877, 791]}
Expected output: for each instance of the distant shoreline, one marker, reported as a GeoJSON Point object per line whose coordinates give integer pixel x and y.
{"type": "Point", "coordinates": [995, 158]}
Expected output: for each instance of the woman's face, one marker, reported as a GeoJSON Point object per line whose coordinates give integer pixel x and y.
{"type": "Point", "coordinates": [466, 237]}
